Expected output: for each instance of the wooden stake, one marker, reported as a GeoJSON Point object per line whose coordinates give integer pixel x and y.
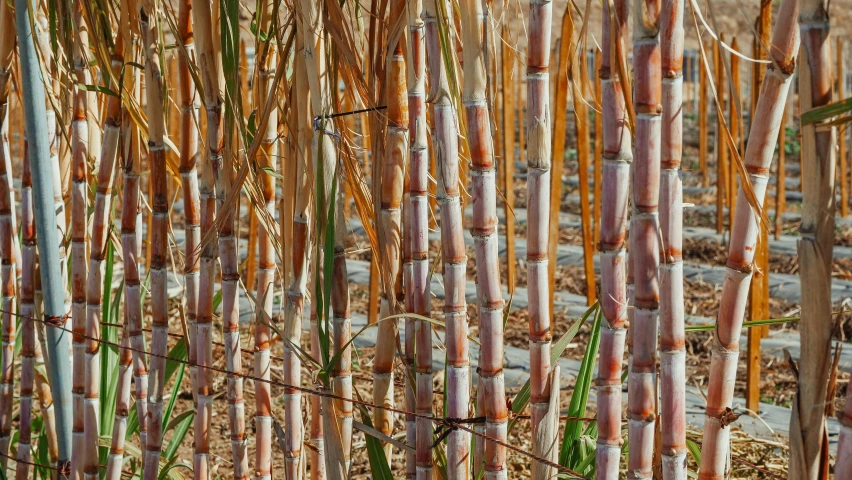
{"type": "Point", "coordinates": [841, 137]}
{"type": "Point", "coordinates": [735, 126]}
{"type": "Point", "coordinates": [781, 180]}
{"type": "Point", "coordinates": [581, 115]}
{"type": "Point", "coordinates": [721, 145]}
{"type": "Point", "coordinates": [702, 126]}
{"type": "Point", "coordinates": [508, 185]}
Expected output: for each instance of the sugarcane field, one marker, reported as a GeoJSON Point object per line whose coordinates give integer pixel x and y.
{"type": "Point", "coordinates": [425, 239]}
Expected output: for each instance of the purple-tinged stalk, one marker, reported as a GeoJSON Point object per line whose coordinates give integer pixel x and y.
{"type": "Point", "coordinates": [417, 292]}
{"type": "Point", "coordinates": [491, 395]}
{"type": "Point", "coordinates": [808, 442]}
{"type": "Point", "coordinates": [149, 19]}
{"type": "Point", "coordinates": [538, 126]}
{"type": "Point", "coordinates": [445, 138]}
{"type": "Point", "coordinates": [757, 163]}
{"type": "Point", "coordinates": [7, 238]}
{"type": "Point", "coordinates": [672, 341]}
{"type": "Point", "coordinates": [615, 173]}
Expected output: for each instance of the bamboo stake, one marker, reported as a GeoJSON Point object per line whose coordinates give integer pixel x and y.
{"type": "Point", "coordinates": [721, 148]}
{"type": "Point", "coordinates": [702, 127]}
{"type": "Point", "coordinates": [149, 17]}
{"type": "Point", "coordinates": [453, 251]}
{"type": "Point", "coordinates": [598, 146]}
{"type": "Point", "coordinates": [758, 158]}
{"type": "Point", "coordinates": [265, 66]}
{"type": "Point", "coordinates": [80, 146]}
{"type": "Point", "coordinates": [508, 184]}
{"type": "Point", "coordinates": [581, 114]}
{"type": "Point", "coordinates": [542, 204]}
{"type": "Point", "coordinates": [644, 225]}
{"type": "Point", "coordinates": [672, 341]}
{"type": "Point", "coordinates": [615, 175]}
{"type": "Point", "coordinates": [45, 217]}
{"type": "Point", "coordinates": [841, 150]}
{"type": "Point", "coordinates": [554, 195]}
{"type": "Point", "coordinates": [807, 425]}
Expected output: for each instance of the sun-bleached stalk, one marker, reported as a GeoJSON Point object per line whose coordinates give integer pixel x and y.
{"type": "Point", "coordinates": [297, 290]}
{"type": "Point", "coordinates": [491, 393]}
{"type": "Point", "coordinates": [672, 341]}
{"type": "Point", "coordinates": [615, 173]}
{"type": "Point", "coordinates": [149, 18]}
{"type": "Point", "coordinates": [538, 126]}
{"type": "Point", "coordinates": [80, 151]}
{"type": "Point", "coordinates": [758, 159]}
{"type": "Point", "coordinates": [210, 71]}
{"type": "Point", "coordinates": [266, 56]}
{"type": "Point", "coordinates": [807, 423]}
{"type": "Point", "coordinates": [445, 138]}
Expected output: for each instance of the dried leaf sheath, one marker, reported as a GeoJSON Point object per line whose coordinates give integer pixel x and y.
{"type": "Point", "coordinates": [757, 160]}
{"type": "Point", "coordinates": [445, 138]}
{"type": "Point", "coordinates": [491, 392]}
{"type": "Point", "coordinates": [672, 341]}
{"type": "Point", "coordinates": [615, 173]}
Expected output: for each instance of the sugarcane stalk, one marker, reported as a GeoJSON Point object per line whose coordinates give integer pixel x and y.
{"type": "Point", "coordinates": [672, 340]}
{"type": "Point", "coordinates": [491, 390]}
{"type": "Point", "coordinates": [45, 220]}
{"type": "Point", "coordinates": [204, 25]}
{"type": "Point", "coordinates": [757, 161]}
{"type": "Point", "coordinates": [301, 256]}
{"type": "Point", "coordinates": [445, 138]}
{"type": "Point", "coordinates": [189, 153]}
{"type": "Point", "coordinates": [28, 314]}
{"type": "Point", "coordinates": [390, 241]}
{"type": "Point", "coordinates": [7, 240]}
{"type": "Point", "coordinates": [418, 292]}
{"type": "Point", "coordinates": [149, 17]}
{"type": "Point", "coordinates": [644, 227]}
{"type": "Point", "coordinates": [598, 148]}
{"type": "Point", "coordinates": [807, 423]}
{"type": "Point", "coordinates": [615, 178]}
{"type": "Point", "coordinates": [266, 60]}
{"type": "Point", "coordinates": [539, 256]}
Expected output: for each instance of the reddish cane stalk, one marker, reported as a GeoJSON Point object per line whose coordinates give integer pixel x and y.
{"type": "Point", "coordinates": [758, 159]}
{"type": "Point", "coordinates": [28, 313]}
{"type": "Point", "coordinates": [149, 17]}
{"type": "Point", "coordinates": [453, 253]}
{"type": "Point", "coordinates": [672, 341]}
{"type": "Point", "coordinates": [615, 173]}
{"type": "Point", "coordinates": [264, 295]}
{"type": "Point", "coordinates": [491, 394]}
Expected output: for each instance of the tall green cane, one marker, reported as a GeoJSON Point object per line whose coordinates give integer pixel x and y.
{"type": "Point", "coordinates": [58, 341]}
